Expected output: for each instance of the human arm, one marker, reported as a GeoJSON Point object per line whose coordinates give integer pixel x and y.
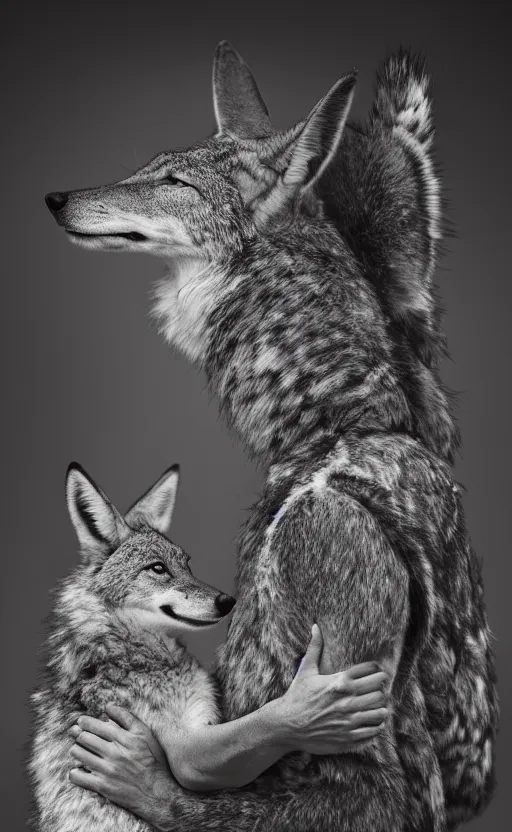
{"type": "Point", "coordinates": [320, 714]}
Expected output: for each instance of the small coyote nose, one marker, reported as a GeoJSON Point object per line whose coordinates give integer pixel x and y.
{"type": "Point", "coordinates": [224, 603]}
{"type": "Point", "coordinates": [56, 201]}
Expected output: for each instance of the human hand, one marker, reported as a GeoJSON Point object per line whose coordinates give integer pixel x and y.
{"type": "Point", "coordinates": [330, 714]}
{"type": "Point", "coordinates": [125, 763]}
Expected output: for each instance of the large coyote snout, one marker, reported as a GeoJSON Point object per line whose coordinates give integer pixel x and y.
{"type": "Point", "coordinates": [136, 214]}
{"type": "Point", "coordinates": [88, 227]}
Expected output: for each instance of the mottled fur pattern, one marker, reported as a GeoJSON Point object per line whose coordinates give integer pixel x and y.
{"type": "Point", "coordinates": [300, 278]}
{"type": "Point", "coordinates": [113, 640]}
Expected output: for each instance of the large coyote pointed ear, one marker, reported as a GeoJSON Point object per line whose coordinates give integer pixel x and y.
{"type": "Point", "coordinates": [309, 155]}
{"type": "Point", "coordinates": [239, 107]}
{"type": "Point", "coordinates": [156, 506]}
{"type": "Point", "coordinates": [99, 526]}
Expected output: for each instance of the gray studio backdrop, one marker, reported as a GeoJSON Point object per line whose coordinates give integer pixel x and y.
{"type": "Point", "coordinates": [90, 91]}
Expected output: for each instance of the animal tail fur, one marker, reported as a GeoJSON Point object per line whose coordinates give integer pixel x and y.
{"type": "Point", "coordinates": [383, 194]}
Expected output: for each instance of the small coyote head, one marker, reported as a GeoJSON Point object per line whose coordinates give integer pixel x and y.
{"type": "Point", "coordinates": [131, 567]}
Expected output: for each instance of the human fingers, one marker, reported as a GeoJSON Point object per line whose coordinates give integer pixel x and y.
{"type": "Point", "coordinates": [310, 660]}
{"type": "Point", "coordinates": [367, 684]}
{"type": "Point", "coordinates": [106, 730]}
{"type": "Point", "coordinates": [135, 731]}
{"type": "Point", "coordinates": [123, 717]}
{"type": "Point", "coordinates": [92, 742]}
{"type": "Point", "coordinates": [364, 733]}
{"type": "Point", "coordinates": [369, 701]}
{"type": "Point", "coordinates": [344, 684]}
{"type": "Point", "coordinates": [357, 671]}
{"type": "Point", "coordinates": [375, 717]}
{"type": "Point", "coordinates": [86, 779]}
{"type": "Point", "coordinates": [88, 759]}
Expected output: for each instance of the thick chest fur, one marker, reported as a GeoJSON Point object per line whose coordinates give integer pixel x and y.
{"type": "Point", "coordinates": [184, 302]}
{"type": "Point", "coordinates": [162, 697]}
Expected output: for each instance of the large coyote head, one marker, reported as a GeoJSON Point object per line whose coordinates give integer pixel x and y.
{"type": "Point", "coordinates": [205, 202]}
{"type": "Point", "coordinates": [319, 228]}
{"type": "Point", "coordinates": [200, 207]}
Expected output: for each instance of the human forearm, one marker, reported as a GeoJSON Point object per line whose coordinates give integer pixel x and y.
{"type": "Point", "coordinates": [231, 754]}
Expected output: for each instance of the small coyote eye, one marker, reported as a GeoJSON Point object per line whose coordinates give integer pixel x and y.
{"type": "Point", "coordinates": [176, 182]}
{"type": "Point", "coordinates": [158, 568]}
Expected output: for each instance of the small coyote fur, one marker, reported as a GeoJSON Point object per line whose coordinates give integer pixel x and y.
{"type": "Point", "coordinates": [116, 637]}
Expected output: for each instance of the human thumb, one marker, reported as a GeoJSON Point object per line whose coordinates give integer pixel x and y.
{"type": "Point", "coordinates": [311, 659]}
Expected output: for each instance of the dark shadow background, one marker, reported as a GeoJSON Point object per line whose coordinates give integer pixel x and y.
{"type": "Point", "coordinates": [90, 91]}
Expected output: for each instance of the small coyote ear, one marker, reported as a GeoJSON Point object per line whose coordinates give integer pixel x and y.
{"type": "Point", "coordinates": [239, 107]}
{"type": "Point", "coordinates": [313, 150]}
{"type": "Point", "coordinates": [99, 526]}
{"type": "Point", "coordinates": [156, 506]}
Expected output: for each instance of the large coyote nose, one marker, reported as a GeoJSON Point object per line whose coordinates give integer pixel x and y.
{"type": "Point", "coordinates": [56, 201]}
{"type": "Point", "coordinates": [224, 603]}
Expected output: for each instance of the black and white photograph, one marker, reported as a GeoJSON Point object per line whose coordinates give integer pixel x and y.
{"type": "Point", "coordinates": [256, 450]}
